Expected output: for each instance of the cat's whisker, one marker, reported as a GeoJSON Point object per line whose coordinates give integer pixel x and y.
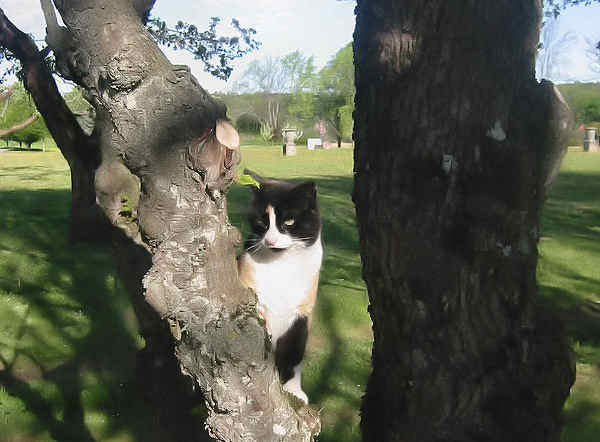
{"type": "Point", "coordinates": [254, 246]}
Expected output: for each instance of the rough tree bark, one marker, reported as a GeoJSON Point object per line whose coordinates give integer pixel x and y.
{"type": "Point", "coordinates": [456, 146]}
{"type": "Point", "coordinates": [80, 150]}
{"type": "Point", "coordinates": [166, 164]}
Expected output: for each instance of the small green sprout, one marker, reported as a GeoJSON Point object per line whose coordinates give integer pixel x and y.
{"type": "Point", "coordinates": [247, 180]}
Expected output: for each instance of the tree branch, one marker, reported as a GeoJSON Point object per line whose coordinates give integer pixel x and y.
{"type": "Point", "coordinates": [52, 27]}
{"type": "Point", "coordinates": [38, 80]}
{"type": "Point", "coordinates": [143, 8]}
{"type": "Point", "coordinates": [156, 122]}
{"type": "Point", "coordinates": [20, 126]}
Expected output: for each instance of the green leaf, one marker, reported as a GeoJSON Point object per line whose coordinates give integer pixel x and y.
{"type": "Point", "coordinates": [247, 180]}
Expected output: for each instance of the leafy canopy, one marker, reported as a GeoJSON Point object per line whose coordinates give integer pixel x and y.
{"type": "Point", "coordinates": [214, 51]}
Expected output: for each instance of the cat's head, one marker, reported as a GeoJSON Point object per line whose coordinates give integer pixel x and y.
{"type": "Point", "coordinates": [283, 215]}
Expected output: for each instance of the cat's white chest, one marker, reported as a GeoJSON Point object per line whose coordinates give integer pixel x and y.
{"type": "Point", "coordinates": [283, 284]}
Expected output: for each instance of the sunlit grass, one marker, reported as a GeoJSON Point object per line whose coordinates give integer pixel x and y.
{"type": "Point", "coordinates": [67, 329]}
{"type": "Point", "coordinates": [569, 280]}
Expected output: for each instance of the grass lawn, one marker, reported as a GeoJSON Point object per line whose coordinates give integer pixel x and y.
{"type": "Point", "coordinates": [569, 280]}
{"type": "Point", "coordinates": [68, 333]}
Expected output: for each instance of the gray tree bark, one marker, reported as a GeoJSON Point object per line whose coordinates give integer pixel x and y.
{"type": "Point", "coordinates": [456, 147]}
{"type": "Point", "coordinates": [162, 181]}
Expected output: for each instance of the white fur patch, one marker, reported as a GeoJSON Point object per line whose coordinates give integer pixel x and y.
{"type": "Point", "coordinates": [274, 238]}
{"type": "Point", "coordinates": [294, 385]}
{"type": "Point", "coordinates": [282, 281]}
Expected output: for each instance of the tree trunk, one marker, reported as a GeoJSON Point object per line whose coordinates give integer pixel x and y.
{"type": "Point", "coordinates": [79, 150]}
{"type": "Point", "coordinates": [162, 182]}
{"type": "Point", "coordinates": [88, 221]}
{"type": "Point", "coordinates": [456, 146]}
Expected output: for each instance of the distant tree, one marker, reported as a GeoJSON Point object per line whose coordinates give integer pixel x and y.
{"type": "Point", "coordinates": [328, 95]}
{"type": "Point", "coordinates": [335, 97]}
{"type": "Point", "coordinates": [20, 120]}
{"type": "Point", "coordinates": [276, 75]}
{"type": "Point", "coordinates": [248, 123]}
{"type": "Point", "coordinates": [5, 132]}
{"type": "Point", "coordinates": [591, 112]}
{"type": "Point", "coordinates": [271, 77]}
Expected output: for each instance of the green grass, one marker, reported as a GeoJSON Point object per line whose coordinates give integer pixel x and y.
{"type": "Point", "coordinates": [68, 334]}
{"type": "Point", "coordinates": [569, 280]}
{"type": "Point", "coordinates": [46, 145]}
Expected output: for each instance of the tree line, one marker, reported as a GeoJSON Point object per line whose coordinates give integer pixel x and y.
{"type": "Point", "coordinates": [274, 92]}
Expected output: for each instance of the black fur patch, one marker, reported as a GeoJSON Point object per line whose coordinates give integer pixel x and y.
{"type": "Point", "coordinates": [290, 348]}
{"type": "Point", "coordinates": [290, 201]}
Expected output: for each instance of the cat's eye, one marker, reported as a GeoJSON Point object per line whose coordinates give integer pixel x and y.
{"type": "Point", "coordinates": [289, 222]}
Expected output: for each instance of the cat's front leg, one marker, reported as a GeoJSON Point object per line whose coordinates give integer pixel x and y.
{"type": "Point", "coordinates": [294, 385]}
{"type": "Point", "coordinates": [289, 353]}
{"type": "Point", "coordinates": [263, 313]}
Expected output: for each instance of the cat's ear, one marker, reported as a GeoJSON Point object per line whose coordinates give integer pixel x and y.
{"type": "Point", "coordinates": [307, 189]}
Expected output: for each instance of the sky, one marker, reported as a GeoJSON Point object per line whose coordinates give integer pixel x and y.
{"type": "Point", "coordinates": [315, 27]}
{"type": "Point", "coordinates": [583, 21]}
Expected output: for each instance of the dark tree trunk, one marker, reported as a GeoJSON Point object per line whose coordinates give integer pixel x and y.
{"type": "Point", "coordinates": [162, 180]}
{"type": "Point", "coordinates": [80, 151]}
{"type": "Point", "coordinates": [88, 221]}
{"type": "Point", "coordinates": [456, 145]}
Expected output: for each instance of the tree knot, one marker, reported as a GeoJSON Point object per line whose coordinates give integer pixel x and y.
{"type": "Point", "coordinates": [214, 156]}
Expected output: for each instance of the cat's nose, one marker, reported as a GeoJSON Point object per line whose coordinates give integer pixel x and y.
{"type": "Point", "coordinates": [270, 242]}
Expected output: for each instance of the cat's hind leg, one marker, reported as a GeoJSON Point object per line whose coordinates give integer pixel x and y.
{"type": "Point", "coordinates": [289, 353]}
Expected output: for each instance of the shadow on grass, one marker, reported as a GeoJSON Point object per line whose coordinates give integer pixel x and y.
{"type": "Point", "coordinates": [29, 173]}
{"type": "Point", "coordinates": [572, 212]}
{"type": "Point", "coordinates": [569, 283]}
{"type": "Point", "coordinates": [581, 320]}
{"type": "Point", "coordinates": [70, 359]}
{"type": "Point", "coordinates": [584, 422]}
{"type": "Point", "coordinates": [571, 218]}
{"type": "Point", "coordinates": [342, 305]}
{"type": "Point", "coordinates": [21, 149]}
{"type": "Point", "coordinates": [68, 351]}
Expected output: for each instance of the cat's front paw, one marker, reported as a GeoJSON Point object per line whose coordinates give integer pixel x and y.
{"type": "Point", "coordinates": [296, 391]}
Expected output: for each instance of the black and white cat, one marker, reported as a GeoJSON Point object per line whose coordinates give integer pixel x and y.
{"type": "Point", "coordinates": [281, 263]}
